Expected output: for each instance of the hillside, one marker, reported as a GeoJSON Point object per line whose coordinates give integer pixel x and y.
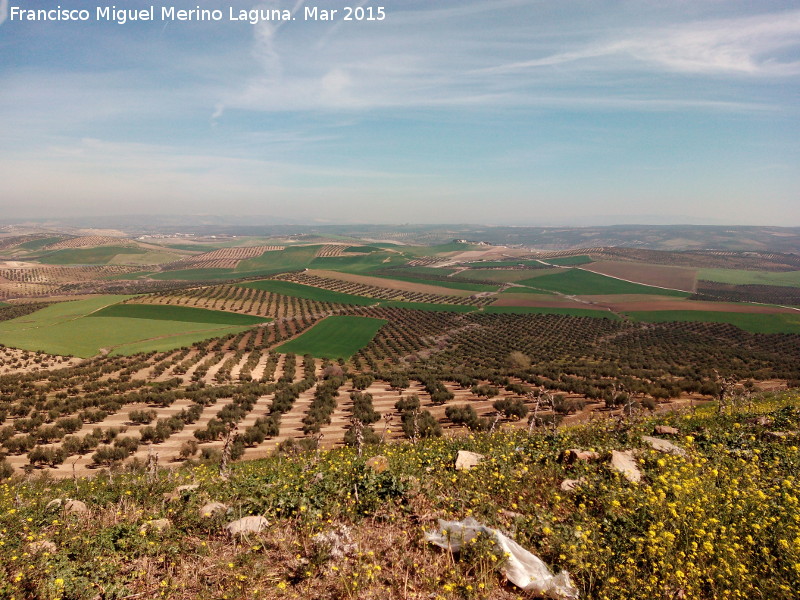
{"type": "Point", "coordinates": [720, 498]}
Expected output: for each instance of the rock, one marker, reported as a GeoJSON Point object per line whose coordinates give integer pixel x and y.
{"type": "Point", "coordinates": [510, 514]}
{"type": "Point", "coordinates": [663, 446]}
{"type": "Point", "coordinates": [465, 460]}
{"type": "Point", "coordinates": [42, 546]}
{"type": "Point", "coordinates": [624, 463]}
{"type": "Point", "coordinates": [245, 525]}
{"type": "Point", "coordinates": [181, 492]}
{"type": "Point", "coordinates": [378, 463]}
{"type": "Point", "coordinates": [576, 454]}
{"type": "Point", "coordinates": [188, 488]}
{"type": "Point", "coordinates": [54, 504]}
{"type": "Point", "coordinates": [762, 421]}
{"type": "Point", "coordinates": [338, 542]}
{"type": "Point", "coordinates": [570, 485]}
{"type": "Point", "coordinates": [75, 507]}
{"type": "Point", "coordinates": [665, 430]}
{"type": "Point", "coordinates": [158, 525]}
{"type": "Point", "coordinates": [779, 435]}
{"type": "Point", "coordinates": [212, 509]}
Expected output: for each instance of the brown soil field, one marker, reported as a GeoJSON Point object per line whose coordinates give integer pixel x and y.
{"type": "Point", "coordinates": [392, 284]}
{"type": "Point", "coordinates": [695, 305]}
{"type": "Point", "coordinates": [13, 360]}
{"type": "Point", "coordinates": [679, 278]}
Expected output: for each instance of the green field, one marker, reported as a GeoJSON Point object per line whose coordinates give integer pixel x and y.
{"type": "Point", "coordinates": [186, 314]}
{"type": "Point", "coordinates": [335, 337]}
{"type": "Point", "coordinates": [193, 247]}
{"type": "Point", "coordinates": [504, 276]}
{"type": "Point", "coordinates": [358, 264]}
{"type": "Point", "coordinates": [740, 277]}
{"type": "Point", "coordinates": [415, 271]}
{"type": "Point", "coordinates": [292, 258]}
{"type": "Point", "coordinates": [308, 292]}
{"type": "Point", "coordinates": [753, 322]}
{"type": "Point", "coordinates": [87, 256]}
{"type": "Point", "coordinates": [569, 261]}
{"type": "Point", "coordinates": [76, 328]}
{"type": "Point", "coordinates": [530, 310]}
{"type": "Point", "coordinates": [452, 283]}
{"type": "Point", "coordinates": [41, 243]}
{"type": "Point", "coordinates": [459, 308]}
{"type": "Point", "coordinates": [577, 282]}
{"type": "Point", "coordinates": [362, 249]}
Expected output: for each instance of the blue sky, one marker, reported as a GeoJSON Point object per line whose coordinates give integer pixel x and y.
{"type": "Point", "coordinates": [495, 111]}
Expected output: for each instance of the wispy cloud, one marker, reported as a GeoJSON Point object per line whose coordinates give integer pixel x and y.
{"type": "Point", "coordinates": [3, 11]}
{"type": "Point", "coordinates": [748, 45]}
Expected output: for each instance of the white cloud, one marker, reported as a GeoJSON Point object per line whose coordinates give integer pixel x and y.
{"type": "Point", "coordinates": [3, 11]}
{"type": "Point", "coordinates": [747, 45]}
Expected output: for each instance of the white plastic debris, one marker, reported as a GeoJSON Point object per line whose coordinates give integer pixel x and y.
{"type": "Point", "coordinates": [522, 568]}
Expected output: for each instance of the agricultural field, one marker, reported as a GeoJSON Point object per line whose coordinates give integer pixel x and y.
{"type": "Point", "coordinates": [335, 337]}
{"type": "Point", "coordinates": [579, 282]}
{"type": "Point", "coordinates": [741, 277]}
{"type": "Point", "coordinates": [287, 288]}
{"type": "Point", "coordinates": [756, 322]}
{"type": "Point", "coordinates": [86, 328]}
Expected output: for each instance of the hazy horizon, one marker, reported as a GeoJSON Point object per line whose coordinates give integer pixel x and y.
{"type": "Point", "coordinates": [502, 112]}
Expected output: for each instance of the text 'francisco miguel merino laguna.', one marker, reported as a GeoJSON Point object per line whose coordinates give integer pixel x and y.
{"type": "Point", "coordinates": [170, 13]}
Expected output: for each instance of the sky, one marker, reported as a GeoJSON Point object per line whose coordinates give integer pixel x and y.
{"type": "Point", "coordinates": [516, 112]}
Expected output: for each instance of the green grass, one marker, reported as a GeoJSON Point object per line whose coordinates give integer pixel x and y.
{"type": "Point", "coordinates": [308, 292]}
{"type": "Point", "coordinates": [41, 243]}
{"type": "Point", "coordinates": [412, 271]}
{"type": "Point", "coordinates": [4, 304]}
{"type": "Point", "coordinates": [740, 277]}
{"type": "Point", "coordinates": [753, 322]}
{"type": "Point", "coordinates": [440, 249]}
{"type": "Point", "coordinates": [505, 263]}
{"type": "Point", "coordinates": [452, 284]}
{"type": "Point", "coordinates": [358, 264]}
{"type": "Point", "coordinates": [510, 276]}
{"type": "Point", "coordinates": [292, 258]}
{"type": "Point", "coordinates": [87, 256]}
{"type": "Point", "coordinates": [188, 314]}
{"type": "Point", "coordinates": [364, 249]}
{"type": "Point", "coordinates": [72, 328]}
{"type": "Point", "coordinates": [335, 337]}
{"type": "Point", "coordinates": [151, 257]}
{"type": "Point", "coordinates": [585, 283]}
{"type": "Point", "coordinates": [569, 261]}
{"type": "Point", "coordinates": [459, 308]}
{"type": "Point", "coordinates": [130, 276]}
{"type": "Point", "coordinates": [192, 247]}
{"type": "Point", "coordinates": [543, 310]}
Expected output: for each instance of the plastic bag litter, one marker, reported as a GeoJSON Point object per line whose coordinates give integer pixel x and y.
{"type": "Point", "coordinates": [522, 568]}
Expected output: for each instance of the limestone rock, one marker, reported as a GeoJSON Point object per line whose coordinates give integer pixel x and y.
{"type": "Point", "coordinates": [157, 525]}
{"type": "Point", "coordinates": [665, 430]}
{"type": "Point", "coordinates": [624, 463]}
{"type": "Point", "coordinates": [576, 454]}
{"type": "Point", "coordinates": [75, 507]}
{"type": "Point", "coordinates": [570, 485]}
{"type": "Point", "coordinates": [465, 460]}
{"type": "Point", "coordinates": [663, 446]}
{"type": "Point", "coordinates": [378, 463]}
{"type": "Point", "coordinates": [54, 504]}
{"type": "Point", "coordinates": [212, 509]}
{"type": "Point", "coordinates": [337, 542]}
{"type": "Point", "coordinates": [42, 546]}
{"type": "Point", "coordinates": [245, 525]}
